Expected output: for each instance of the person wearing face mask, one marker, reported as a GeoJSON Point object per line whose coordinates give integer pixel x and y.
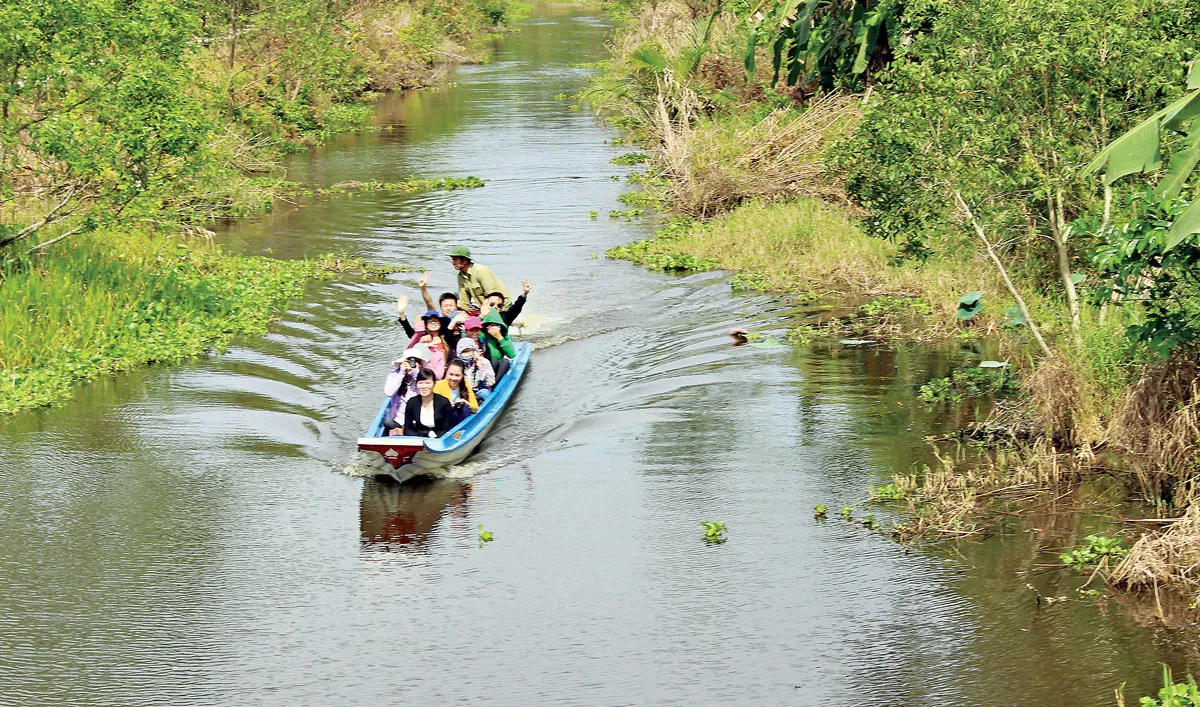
{"type": "Point", "coordinates": [427, 414]}
{"type": "Point", "coordinates": [496, 344]}
{"type": "Point", "coordinates": [477, 370]}
{"type": "Point", "coordinates": [457, 390]}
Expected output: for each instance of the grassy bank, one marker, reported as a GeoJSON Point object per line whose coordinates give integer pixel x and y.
{"type": "Point", "coordinates": [117, 300]}
{"type": "Point", "coordinates": [816, 250]}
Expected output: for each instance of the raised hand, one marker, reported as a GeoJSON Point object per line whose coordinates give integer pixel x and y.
{"type": "Point", "coordinates": [423, 281]}
{"type": "Point", "coordinates": [527, 286]}
{"type": "Point", "coordinates": [402, 304]}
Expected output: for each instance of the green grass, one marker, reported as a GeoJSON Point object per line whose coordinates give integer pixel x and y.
{"type": "Point", "coordinates": [113, 301]}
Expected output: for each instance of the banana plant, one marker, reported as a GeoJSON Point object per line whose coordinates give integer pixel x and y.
{"type": "Point", "coordinates": [835, 40]}
{"type": "Point", "coordinates": [1139, 151]}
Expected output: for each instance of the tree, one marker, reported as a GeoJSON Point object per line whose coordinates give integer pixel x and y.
{"type": "Point", "coordinates": [1005, 102]}
{"type": "Point", "coordinates": [95, 109]}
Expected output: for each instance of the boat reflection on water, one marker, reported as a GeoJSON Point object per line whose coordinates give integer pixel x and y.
{"type": "Point", "coordinates": [400, 518]}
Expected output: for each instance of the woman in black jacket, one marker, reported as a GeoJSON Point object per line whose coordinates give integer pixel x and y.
{"type": "Point", "coordinates": [427, 414]}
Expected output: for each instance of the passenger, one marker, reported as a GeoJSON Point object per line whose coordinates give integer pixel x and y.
{"type": "Point", "coordinates": [455, 388]}
{"type": "Point", "coordinates": [495, 300]}
{"type": "Point", "coordinates": [427, 414]}
{"type": "Point", "coordinates": [450, 328]}
{"type": "Point", "coordinates": [472, 329]}
{"type": "Point", "coordinates": [498, 346]}
{"type": "Point", "coordinates": [477, 370]}
{"type": "Point", "coordinates": [447, 302]}
{"type": "Point", "coordinates": [401, 384]}
{"type": "Point", "coordinates": [441, 343]}
{"type": "Point", "coordinates": [475, 281]}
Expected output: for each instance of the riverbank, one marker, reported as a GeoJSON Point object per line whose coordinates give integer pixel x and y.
{"type": "Point", "coordinates": [105, 261]}
{"type": "Point", "coordinates": [865, 186]}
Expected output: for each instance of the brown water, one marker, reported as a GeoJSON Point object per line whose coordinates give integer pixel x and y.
{"type": "Point", "coordinates": [186, 536]}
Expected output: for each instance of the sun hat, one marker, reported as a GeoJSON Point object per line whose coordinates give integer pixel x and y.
{"type": "Point", "coordinates": [432, 314]}
{"type": "Point", "coordinates": [460, 251]}
{"type": "Point", "coordinates": [473, 323]}
{"type": "Point", "coordinates": [419, 351]}
{"type": "Point", "coordinates": [464, 344]}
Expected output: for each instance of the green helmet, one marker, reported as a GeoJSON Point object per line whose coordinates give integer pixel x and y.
{"type": "Point", "coordinates": [460, 251]}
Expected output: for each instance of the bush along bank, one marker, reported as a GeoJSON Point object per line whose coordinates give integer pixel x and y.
{"type": "Point", "coordinates": [966, 161]}
{"type": "Point", "coordinates": [125, 126]}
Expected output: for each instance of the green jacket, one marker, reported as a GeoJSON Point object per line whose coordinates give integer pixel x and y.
{"type": "Point", "coordinates": [497, 349]}
{"type": "Point", "coordinates": [477, 284]}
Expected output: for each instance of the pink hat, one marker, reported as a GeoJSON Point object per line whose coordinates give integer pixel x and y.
{"type": "Point", "coordinates": [473, 323]}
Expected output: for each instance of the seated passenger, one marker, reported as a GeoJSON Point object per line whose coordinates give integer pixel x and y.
{"type": "Point", "coordinates": [451, 324]}
{"type": "Point", "coordinates": [472, 329]}
{"type": "Point", "coordinates": [498, 346]}
{"type": "Point", "coordinates": [440, 342]}
{"type": "Point", "coordinates": [427, 414]}
{"type": "Point", "coordinates": [457, 390]}
{"type": "Point", "coordinates": [477, 370]}
{"type": "Point", "coordinates": [401, 384]}
{"type": "Point", "coordinates": [495, 300]}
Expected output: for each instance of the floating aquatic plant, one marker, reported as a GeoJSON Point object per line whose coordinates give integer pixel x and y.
{"type": "Point", "coordinates": [714, 531]}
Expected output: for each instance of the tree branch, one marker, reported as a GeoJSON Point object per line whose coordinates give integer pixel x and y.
{"type": "Point", "coordinates": [1012, 289]}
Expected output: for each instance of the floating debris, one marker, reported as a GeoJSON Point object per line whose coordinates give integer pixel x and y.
{"type": "Point", "coordinates": [766, 344]}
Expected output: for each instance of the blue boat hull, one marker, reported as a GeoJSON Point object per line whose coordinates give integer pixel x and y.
{"type": "Point", "coordinates": [405, 457]}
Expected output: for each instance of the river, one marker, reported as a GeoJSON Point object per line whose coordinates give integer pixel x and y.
{"type": "Point", "coordinates": [190, 535]}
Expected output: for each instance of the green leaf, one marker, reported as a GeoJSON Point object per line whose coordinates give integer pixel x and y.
{"type": "Point", "coordinates": [1183, 161]}
{"type": "Point", "coordinates": [1185, 225]}
{"type": "Point", "coordinates": [1077, 278]}
{"type": "Point", "coordinates": [969, 305]}
{"type": "Point", "coordinates": [1135, 151]}
{"type": "Point", "coordinates": [1014, 317]}
{"type": "Point", "coordinates": [1181, 111]}
{"type": "Point", "coordinates": [1194, 75]}
{"type": "Point", "coordinates": [777, 58]}
{"type": "Point", "coordinates": [751, 52]}
{"type": "Point", "coordinates": [867, 35]}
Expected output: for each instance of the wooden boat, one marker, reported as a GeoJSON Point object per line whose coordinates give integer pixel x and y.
{"type": "Point", "coordinates": [405, 457]}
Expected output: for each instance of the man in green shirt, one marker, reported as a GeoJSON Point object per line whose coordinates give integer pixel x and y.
{"type": "Point", "coordinates": [475, 281]}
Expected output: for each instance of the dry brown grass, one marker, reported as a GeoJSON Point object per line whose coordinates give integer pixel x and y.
{"type": "Point", "coordinates": [717, 164]}
{"type": "Point", "coordinates": [964, 494]}
{"type": "Point", "coordinates": [1059, 401]}
{"type": "Point", "coordinates": [1170, 558]}
{"type": "Point", "coordinates": [1158, 426]}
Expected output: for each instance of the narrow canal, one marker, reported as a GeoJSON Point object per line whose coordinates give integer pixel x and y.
{"type": "Point", "coordinates": [190, 536]}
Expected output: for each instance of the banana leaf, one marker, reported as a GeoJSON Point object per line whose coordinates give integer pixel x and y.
{"type": "Point", "coordinates": [1183, 161]}
{"type": "Point", "coordinates": [1186, 224]}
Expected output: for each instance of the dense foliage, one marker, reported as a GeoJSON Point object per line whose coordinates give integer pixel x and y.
{"type": "Point", "coordinates": [830, 43]}
{"type": "Point", "coordinates": [116, 111]}
{"type": "Point", "coordinates": [1006, 102]}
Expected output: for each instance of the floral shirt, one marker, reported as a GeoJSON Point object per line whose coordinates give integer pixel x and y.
{"type": "Point", "coordinates": [480, 374]}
